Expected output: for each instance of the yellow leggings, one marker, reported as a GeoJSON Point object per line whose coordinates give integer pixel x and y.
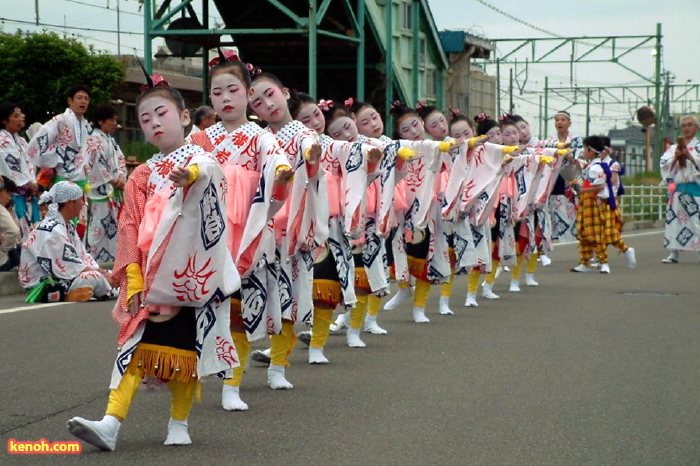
{"type": "Point", "coordinates": [473, 281]}
{"type": "Point", "coordinates": [446, 288]}
{"type": "Point", "coordinates": [121, 397]}
{"type": "Point", "coordinates": [281, 345]}
{"type": "Point", "coordinates": [530, 268]}
{"type": "Point", "coordinates": [322, 324]}
{"type": "Point", "coordinates": [357, 315]}
{"type": "Point", "coordinates": [404, 285]}
{"type": "Point", "coordinates": [491, 277]}
{"type": "Point", "coordinates": [374, 305]}
{"type": "Point", "coordinates": [240, 339]}
{"type": "Point", "coordinates": [420, 298]}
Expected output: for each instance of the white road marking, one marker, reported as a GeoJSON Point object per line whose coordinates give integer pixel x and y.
{"type": "Point", "coordinates": [29, 308]}
{"type": "Point", "coordinates": [628, 235]}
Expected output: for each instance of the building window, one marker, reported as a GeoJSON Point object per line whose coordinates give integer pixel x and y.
{"type": "Point", "coordinates": [430, 83]}
{"type": "Point", "coordinates": [421, 52]}
{"type": "Point", "coordinates": [407, 15]}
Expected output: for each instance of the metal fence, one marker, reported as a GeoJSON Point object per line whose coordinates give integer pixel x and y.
{"type": "Point", "coordinates": [644, 202]}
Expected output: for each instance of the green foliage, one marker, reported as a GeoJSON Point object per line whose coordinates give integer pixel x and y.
{"type": "Point", "coordinates": [38, 69]}
{"type": "Point", "coordinates": [652, 178]}
{"type": "Point", "coordinates": [141, 150]}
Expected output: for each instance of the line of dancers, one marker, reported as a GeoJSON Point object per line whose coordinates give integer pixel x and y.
{"type": "Point", "coordinates": [243, 230]}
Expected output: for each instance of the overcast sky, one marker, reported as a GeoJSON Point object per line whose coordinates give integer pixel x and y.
{"type": "Point", "coordinates": [680, 22]}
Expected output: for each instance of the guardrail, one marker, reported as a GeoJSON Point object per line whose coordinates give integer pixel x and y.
{"type": "Point", "coordinates": [646, 202]}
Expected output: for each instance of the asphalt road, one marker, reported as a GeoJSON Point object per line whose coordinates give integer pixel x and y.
{"type": "Point", "coordinates": [586, 369]}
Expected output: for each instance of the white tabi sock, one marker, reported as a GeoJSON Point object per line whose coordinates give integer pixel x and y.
{"type": "Point", "coordinates": [231, 399]}
{"type": "Point", "coordinates": [354, 340]}
{"type": "Point", "coordinates": [372, 327]}
{"type": "Point", "coordinates": [101, 434]}
{"type": "Point", "coordinates": [398, 299]}
{"type": "Point", "coordinates": [316, 356]}
{"type": "Point", "coordinates": [177, 433]}
{"type": "Point", "coordinates": [276, 378]}
{"type": "Point", "coordinates": [445, 306]}
{"type": "Point", "coordinates": [419, 316]}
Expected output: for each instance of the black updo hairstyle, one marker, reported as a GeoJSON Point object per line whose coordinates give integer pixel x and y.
{"type": "Point", "coordinates": [296, 101]}
{"type": "Point", "coordinates": [424, 110]}
{"type": "Point", "coordinates": [484, 123]}
{"type": "Point", "coordinates": [334, 111]}
{"type": "Point", "coordinates": [399, 111]}
{"type": "Point", "coordinates": [355, 106]}
{"type": "Point", "coordinates": [457, 116]}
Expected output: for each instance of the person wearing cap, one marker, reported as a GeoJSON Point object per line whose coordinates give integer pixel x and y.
{"type": "Point", "coordinates": [54, 250]}
{"type": "Point", "coordinates": [680, 171]}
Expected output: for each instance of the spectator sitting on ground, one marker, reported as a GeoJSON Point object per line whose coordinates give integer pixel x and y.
{"type": "Point", "coordinates": [53, 249]}
{"type": "Point", "coordinates": [9, 230]}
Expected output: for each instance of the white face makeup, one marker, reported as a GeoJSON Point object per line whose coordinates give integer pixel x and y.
{"type": "Point", "coordinates": [494, 135]}
{"type": "Point", "coordinates": [510, 136]}
{"type": "Point", "coordinates": [268, 101]}
{"type": "Point", "coordinates": [162, 123]}
{"type": "Point", "coordinates": [525, 133]}
{"type": "Point", "coordinates": [411, 128]}
{"type": "Point", "coordinates": [312, 117]}
{"type": "Point", "coordinates": [369, 123]}
{"type": "Point", "coordinates": [229, 97]}
{"type": "Point", "coordinates": [461, 129]}
{"type": "Point", "coordinates": [436, 126]}
{"type": "Point", "coordinates": [343, 129]}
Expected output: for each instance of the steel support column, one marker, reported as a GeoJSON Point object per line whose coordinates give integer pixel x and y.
{"type": "Point", "coordinates": [147, 45]}
{"type": "Point", "coordinates": [313, 37]}
{"type": "Point", "coordinates": [659, 127]}
{"type": "Point", "coordinates": [415, 25]}
{"type": "Point", "coordinates": [361, 50]}
{"type": "Point", "coordinates": [389, 63]}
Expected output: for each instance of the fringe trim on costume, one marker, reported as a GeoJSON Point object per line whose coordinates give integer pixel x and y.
{"type": "Point", "coordinates": [327, 291]}
{"type": "Point", "coordinates": [236, 319]}
{"type": "Point", "coordinates": [361, 280]}
{"type": "Point", "coordinates": [417, 268]}
{"type": "Point", "coordinates": [164, 362]}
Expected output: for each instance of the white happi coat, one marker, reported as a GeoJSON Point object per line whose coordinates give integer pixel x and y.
{"type": "Point", "coordinates": [53, 249]}
{"type": "Point", "coordinates": [682, 230]}
{"type": "Point", "coordinates": [57, 145]}
{"type": "Point", "coordinates": [14, 164]}
{"type": "Point", "coordinates": [345, 166]}
{"type": "Point", "coordinates": [104, 162]}
{"type": "Point", "coordinates": [250, 151]}
{"type": "Point", "coordinates": [301, 226]}
{"type": "Point", "coordinates": [187, 262]}
{"type": "Point", "coordinates": [562, 210]}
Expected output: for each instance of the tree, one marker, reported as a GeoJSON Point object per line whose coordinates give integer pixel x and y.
{"type": "Point", "coordinates": [39, 68]}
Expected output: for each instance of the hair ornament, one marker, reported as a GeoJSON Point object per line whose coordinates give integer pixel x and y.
{"type": "Point", "coordinates": [349, 102]}
{"type": "Point", "coordinates": [157, 80]}
{"type": "Point", "coordinates": [481, 117]}
{"type": "Point", "coordinates": [228, 55]}
{"type": "Point", "coordinates": [326, 105]}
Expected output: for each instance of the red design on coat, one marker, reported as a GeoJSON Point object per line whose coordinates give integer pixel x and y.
{"type": "Point", "coordinates": [225, 351]}
{"type": "Point", "coordinates": [193, 281]}
{"type": "Point", "coordinates": [164, 167]}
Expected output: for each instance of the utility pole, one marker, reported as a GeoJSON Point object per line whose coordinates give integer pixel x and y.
{"type": "Point", "coordinates": [510, 90]}
{"type": "Point", "coordinates": [498, 86]}
{"type": "Point", "coordinates": [588, 112]}
{"type": "Point", "coordinates": [540, 120]}
{"type": "Point", "coordinates": [658, 132]}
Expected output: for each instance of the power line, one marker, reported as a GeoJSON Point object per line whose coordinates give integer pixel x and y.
{"type": "Point", "coordinates": [60, 26]}
{"type": "Point", "coordinates": [105, 8]}
{"type": "Point", "coordinates": [516, 19]}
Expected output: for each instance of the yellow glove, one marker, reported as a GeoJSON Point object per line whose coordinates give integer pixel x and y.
{"type": "Point", "coordinates": [134, 282]}
{"type": "Point", "coordinates": [445, 146]}
{"type": "Point", "coordinates": [474, 140]}
{"type": "Point", "coordinates": [546, 160]}
{"type": "Point", "coordinates": [510, 149]}
{"type": "Point", "coordinates": [562, 152]}
{"type": "Point", "coordinates": [194, 174]}
{"type": "Point", "coordinates": [405, 153]}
